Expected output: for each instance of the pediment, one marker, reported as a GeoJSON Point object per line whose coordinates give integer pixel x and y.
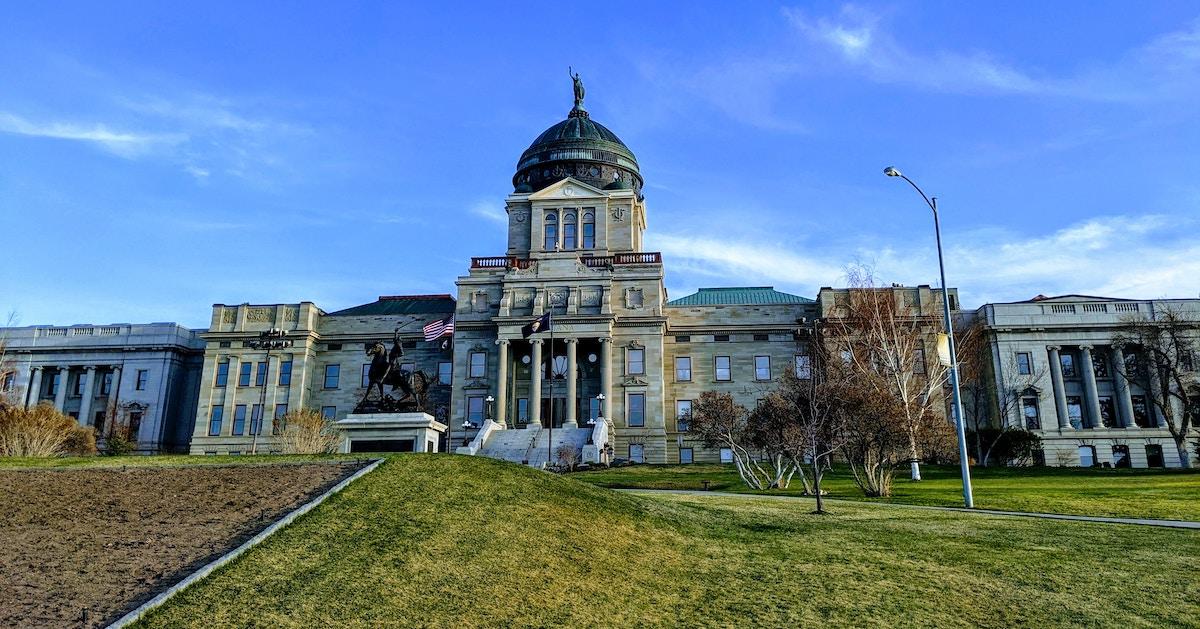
{"type": "Point", "coordinates": [567, 189]}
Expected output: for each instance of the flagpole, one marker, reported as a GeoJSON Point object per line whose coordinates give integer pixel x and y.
{"type": "Point", "coordinates": [550, 439]}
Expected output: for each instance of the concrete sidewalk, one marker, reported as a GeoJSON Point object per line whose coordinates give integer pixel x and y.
{"type": "Point", "coordinates": [1171, 524]}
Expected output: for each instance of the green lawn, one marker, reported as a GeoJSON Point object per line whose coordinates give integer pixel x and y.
{"type": "Point", "coordinates": [1164, 494]}
{"type": "Point", "coordinates": [432, 540]}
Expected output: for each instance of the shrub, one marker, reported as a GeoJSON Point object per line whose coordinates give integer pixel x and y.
{"type": "Point", "coordinates": [1016, 445]}
{"type": "Point", "coordinates": [306, 431]}
{"type": "Point", "coordinates": [567, 457]}
{"type": "Point", "coordinates": [42, 431]}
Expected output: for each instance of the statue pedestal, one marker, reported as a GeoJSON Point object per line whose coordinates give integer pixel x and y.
{"type": "Point", "coordinates": [390, 432]}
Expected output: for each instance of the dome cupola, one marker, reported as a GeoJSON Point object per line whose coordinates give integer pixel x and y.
{"type": "Point", "coordinates": [578, 147]}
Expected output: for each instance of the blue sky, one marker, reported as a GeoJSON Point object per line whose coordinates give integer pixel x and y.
{"type": "Point", "coordinates": [157, 159]}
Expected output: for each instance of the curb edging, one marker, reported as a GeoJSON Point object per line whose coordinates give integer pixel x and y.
{"type": "Point", "coordinates": [204, 571]}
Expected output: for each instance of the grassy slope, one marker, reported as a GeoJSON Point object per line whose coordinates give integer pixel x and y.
{"type": "Point", "coordinates": [460, 542]}
{"type": "Point", "coordinates": [1168, 494]}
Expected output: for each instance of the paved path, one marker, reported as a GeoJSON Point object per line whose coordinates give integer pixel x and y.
{"type": "Point", "coordinates": [1172, 524]}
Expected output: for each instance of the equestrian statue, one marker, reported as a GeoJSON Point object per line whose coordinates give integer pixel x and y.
{"type": "Point", "coordinates": [385, 370]}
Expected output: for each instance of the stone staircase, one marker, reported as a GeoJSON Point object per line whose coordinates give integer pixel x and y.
{"type": "Point", "coordinates": [509, 445]}
{"type": "Point", "coordinates": [540, 455]}
{"type": "Point", "coordinates": [529, 446]}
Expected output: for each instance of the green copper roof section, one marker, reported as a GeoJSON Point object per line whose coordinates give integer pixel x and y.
{"type": "Point", "coordinates": [739, 296]}
{"type": "Point", "coordinates": [389, 305]}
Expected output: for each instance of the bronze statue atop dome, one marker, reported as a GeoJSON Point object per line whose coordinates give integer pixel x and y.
{"type": "Point", "coordinates": [577, 86]}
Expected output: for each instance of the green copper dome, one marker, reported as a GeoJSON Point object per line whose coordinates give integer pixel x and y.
{"type": "Point", "coordinates": [582, 148]}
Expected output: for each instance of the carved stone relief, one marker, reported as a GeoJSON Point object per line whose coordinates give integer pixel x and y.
{"type": "Point", "coordinates": [633, 298]}
{"type": "Point", "coordinates": [260, 315]}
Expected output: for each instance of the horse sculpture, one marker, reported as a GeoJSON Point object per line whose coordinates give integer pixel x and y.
{"type": "Point", "coordinates": [385, 370]}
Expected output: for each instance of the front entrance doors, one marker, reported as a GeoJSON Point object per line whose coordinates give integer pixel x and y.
{"type": "Point", "coordinates": [560, 412]}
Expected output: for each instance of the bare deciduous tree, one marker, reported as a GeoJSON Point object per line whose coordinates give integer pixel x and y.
{"type": "Point", "coordinates": [879, 332]}
{"type": "Point", "coordinates": [1166, 349]}
{"type": "Point", "coordinates": [722, 423]}
{"type": "Point", "coordinates": [990, 401]}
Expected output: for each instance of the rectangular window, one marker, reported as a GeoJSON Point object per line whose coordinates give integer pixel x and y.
{"type": "Point", "coordinates": [1121, 456]}
{"type": "Point", "coordinates": [239, 419]}
{"type": "Point", "coordinates": [637, 453]}
{"type": "Point", "coordinates": [589, 233]}
{"type": "Point", "coordinates": [244, 374]}
{"type": "Point", "coordinates": [408, 368]}
{"type": "Point", "coordinates": [80, 381]}
{"type": "Point", "coordinates": [222, 374]}
{"type": "Point", "coordinates": [683, 368]}
{"type": "Point", "coordinates": [214, 420]}
{"type": "Point", "coordinates": [478, 367]}
{"type": "Point", "coordinates": [1029, 408]}
{"type": "Point", "coordinates": [260, 375]}
{"type": "Point", "coordinates": [1100, 364]}
{"type": "Point", "coordinates": [726, 455]}
{"type": "Point", "coordinates": [329, 412]}
{"type": "Point", "coordinates": [1108, 413]}
{"type": "Point", "coordinates": [1075, 410]}
{"type": "Point", "coordinates": [285, 373]}
{"type": "Point", "coordinates": [722, 369]}
{"type": "Point", "coordinates": [762, 337]}
{"type": "Point", "coordinates": [762, 367]}
{"type": "Point", "coordinates": [803, 366]}
{"type": "Point", "coordinates": [683, 412]}
{"type": "Point", "coordinates": [143, 375]}
{"type": "Point", "coordinates": [683, 339]}
{"type": "Point", "coordinates": [594, 408]}
{"type": "Point", "coordinates": [721, 338]}
{"type": "Point", "coordinates": [636, 361]}
{"type": "Point", "coordinates": [333, 347]}
{"type": "Point", "coordinates": [475, 409]}
{"type": "Point", "coordinates": [1141, 414]}
{"type": "Point", "coordinates": [333, 373]}
{"type": "Point", "coordinates": [685, 455]}
{"type": "Point", "coordinates": [523, 410]}
{"type": "Point", "coordinates": [52, 390]}
{"type": "Point", "coordinates": [10, 379]}
{"type": "Point", "coordinates": [1068, 365]}
{"type": "Point", "coordinates": [98, 421]}
{"type": "Point", "coordinates": [106, 382]}
{"type": "Point", "coordinates": [919, 360]}
{"type": "Point", "coordinates": [1087, 456]}
{"type": "Point", "coordinates": [256, 416]}
{"type": "Point", "coordinates": [366, 376]}
{"type": "Point", "coordinates": [445, 372]}
{"type": "Point", "coordinates": [635, 410]}
{"type": "Point", "coordinates": [280, 410]}
{"type": "Point", "coordinates": [1154, 455]}
{"type": "Point", "coordinates": [1024, 363]}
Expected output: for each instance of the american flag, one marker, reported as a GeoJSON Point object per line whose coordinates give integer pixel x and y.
{"type": "Point", "coordinates": [438, 329]}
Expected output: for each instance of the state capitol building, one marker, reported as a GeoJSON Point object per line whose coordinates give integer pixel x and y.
{"type": "Point", "coordinates": [624, 355]}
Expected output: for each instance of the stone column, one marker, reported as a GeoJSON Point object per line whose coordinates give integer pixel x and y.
{"type": "Point", "coordinates": [572, 420]}
{"type": "Point", "coordinates": [35, 387]}
{"type": "Point", "coordinates": [60, 396]}
{"type": "Point", "coordinates": [1060, 393]}
{"type": "Point", "coordinates": [1156, 393]}
{"type": "Point", "coordinates": [535, 385]}
{"type": "Point", "coordinates": [606, 377]}
{"type": "Point", "coordinates": [1121, 384]}
{"type": "Point", "coordinates": [230, 397]}
{"type": "Point", "coordinates": [502, 384]}
{"type": "Point", "coordinates": [85, 405]}
{"type": "Point", "coordinates": [1089, 387]}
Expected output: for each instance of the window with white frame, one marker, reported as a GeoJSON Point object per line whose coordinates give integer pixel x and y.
{"type": "Point", "coordinates": [635, 410]}
{"type": "Point", "coordinates": [635, 361]}
{"type": "Point", "coordinates": [637, 453]}
{"type": "Point", "coordinates": [683, 413]}
{"type": "Point", "coordinates": [551, 231]}
{"type": "Point", "coordinates": [475, 409]}
{"type": "Point", "coordinates": [569, 233]}
{"type": "Point", "coordinates": [762, 367]}
{"type": "Point", "coordinates": [329, 412]}
{"type": "Point", "coordinates": [722, 369]}
{"type": "Point", "coordinates": [285, 373]}
{"type": "Point", "coordinates": [1024, 363]}
{"type": "Point", "coordinates": [478, 365]}
{"type": "Point", "coordinates": [685, 455]}
{"type": "Point", "coordinates": [589, 230]}
{"type": "Point", "coordinates": [333, 374]}
{"type": "Point", "coordinates": [683, 368]}
{"type": "Point", "coordinates": [445, 372]}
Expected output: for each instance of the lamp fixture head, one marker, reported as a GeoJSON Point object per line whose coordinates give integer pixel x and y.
{"type": "Point", "coordinates": [891, 172]}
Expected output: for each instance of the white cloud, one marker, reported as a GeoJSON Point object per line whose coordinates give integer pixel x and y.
{"type": "Point", "coordinates": [1118, 256]}
{"type": "Point", "coordinates": [490, 211]}
{"type": "Point", "coordinates": [124, 143]}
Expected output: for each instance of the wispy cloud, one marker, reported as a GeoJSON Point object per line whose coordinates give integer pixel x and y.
{"type": "Point", "coordinates": [1121, 256]}
{"type": "Point", "coordinates": [127, 144]}
{"type": "Point", "coordinates": [489, 210]}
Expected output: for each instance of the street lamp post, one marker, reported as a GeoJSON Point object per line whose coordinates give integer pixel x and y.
{"type": "Point", "coordinates": [968, 496]}
{"type": "Point", "coordinates": [269, 340]}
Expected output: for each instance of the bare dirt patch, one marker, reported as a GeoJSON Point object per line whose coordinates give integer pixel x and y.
{"type": "Point", "coordinates": [107, 540]}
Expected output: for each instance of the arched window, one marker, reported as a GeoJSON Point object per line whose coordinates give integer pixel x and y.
{"type": "Point", "coordinates": [551, 231]}
{"type": "Point", "coordinates": [589, 230]}
{"type": "Point", "coordinates": [569, 231]}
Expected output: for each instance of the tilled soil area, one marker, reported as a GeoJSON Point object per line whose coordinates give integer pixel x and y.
{"type": "Point", "coordinates": [81, 547]}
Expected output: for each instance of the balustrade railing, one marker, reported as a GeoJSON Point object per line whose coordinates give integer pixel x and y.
{"type": "Point", "coordinates": [501, 262]}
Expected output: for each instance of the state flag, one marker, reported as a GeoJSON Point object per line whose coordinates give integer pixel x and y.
{"type": "Point", "coordinates": [541, 324]}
